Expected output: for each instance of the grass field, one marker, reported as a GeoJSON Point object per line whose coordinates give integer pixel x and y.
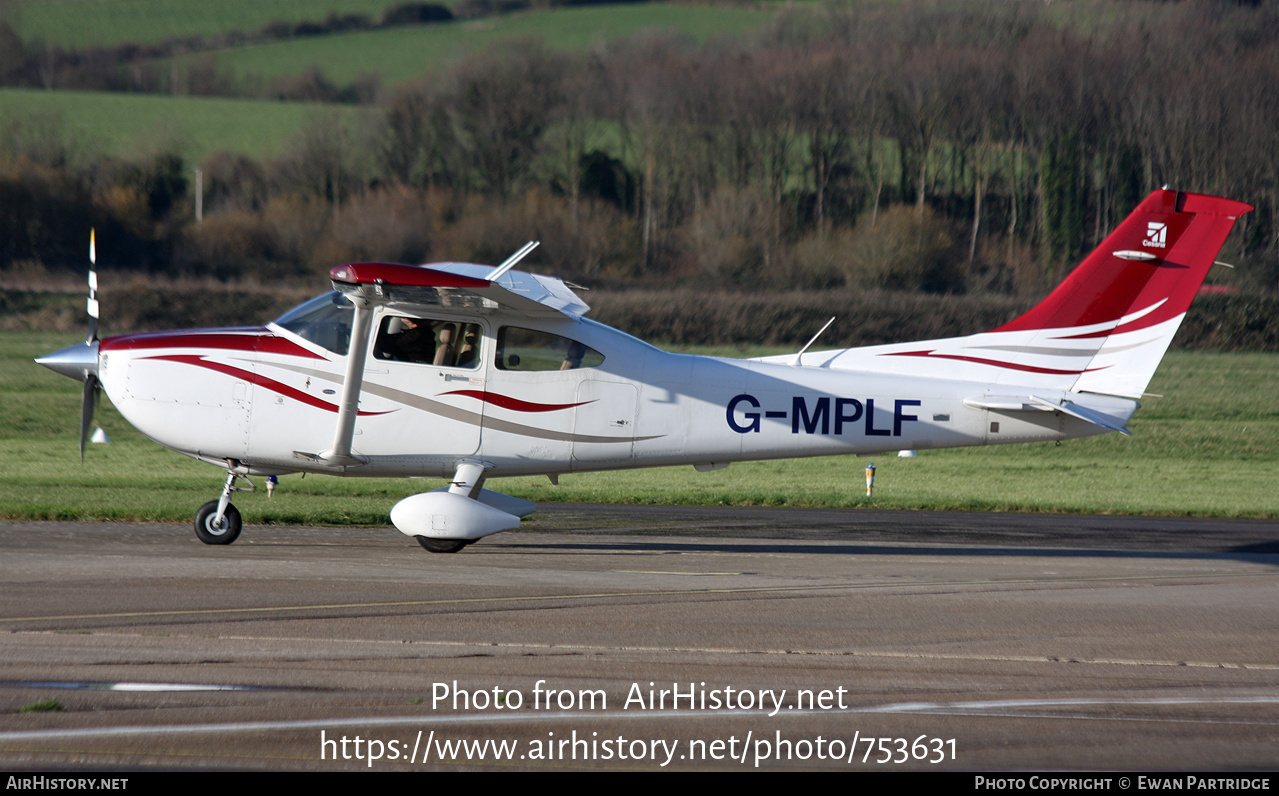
{"type": "Point", "coordinates": [1210, 447]}
{"type": "Point", "coordinates": [105, 23]}
{"type": "Point", "coordinates": [127, 125]}
{"type": "Point", "coordinates": [401, 55]}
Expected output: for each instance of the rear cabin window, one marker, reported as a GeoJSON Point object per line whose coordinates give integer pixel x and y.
{"type": "Point", "coordinates": [427, 341]}
{"type": "Point", "coordinates": [528, 349]}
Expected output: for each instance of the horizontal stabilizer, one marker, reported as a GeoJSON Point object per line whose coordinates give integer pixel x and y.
{"type": "Point", "coordinates": [1084, 413]}
{"type": "Point", "coordinates": [1033, 403]}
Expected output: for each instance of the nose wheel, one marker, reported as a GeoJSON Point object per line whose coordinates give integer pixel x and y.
{"type": "Point", "coordinates": [210, 530]}
{"type": "Point", "coordinates": [218, 522]}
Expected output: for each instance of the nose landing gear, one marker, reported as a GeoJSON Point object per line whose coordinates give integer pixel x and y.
{"type": "Point", "coordinates": [218, 522]}
{"type": "Point", "coordinates": [211, 530]}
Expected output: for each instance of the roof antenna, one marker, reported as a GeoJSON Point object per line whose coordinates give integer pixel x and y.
{"type": "Point", "coordinates": [801, 351]}
{"type": "Point", "coordinates": [510, 262]}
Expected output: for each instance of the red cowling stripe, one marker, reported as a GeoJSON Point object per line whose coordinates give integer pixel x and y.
{"type": "Point", "coordinates": [261, 381]}
{"type": "Point", "coordinates": [226, 340]}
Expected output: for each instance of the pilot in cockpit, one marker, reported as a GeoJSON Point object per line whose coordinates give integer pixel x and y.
{"type": "Point", "coordinates": [406, 340]}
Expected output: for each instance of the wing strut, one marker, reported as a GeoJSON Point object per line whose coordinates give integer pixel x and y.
{"type": "Point", "coordinates": [356, 355]}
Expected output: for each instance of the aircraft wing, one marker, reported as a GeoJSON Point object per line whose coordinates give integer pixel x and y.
{"type": "Point", "coordinates": [458, 286]}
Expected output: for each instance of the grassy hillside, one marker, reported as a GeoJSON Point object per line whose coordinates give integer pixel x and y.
{"type": "Point", "coordinates": [400, 55]}
{"type": "Point", "coordinates": [127, 125]}
{"type": "Point", "coordinates": [106, 23]}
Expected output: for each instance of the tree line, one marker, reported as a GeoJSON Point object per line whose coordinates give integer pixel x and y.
{"type": "Point", "coordinates": [941, 147]}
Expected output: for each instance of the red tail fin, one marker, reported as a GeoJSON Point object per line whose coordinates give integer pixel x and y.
{"type": "Point", "coordinates": [1104, 329]}
{"type": "Point", "coordinates": [1152, 264]}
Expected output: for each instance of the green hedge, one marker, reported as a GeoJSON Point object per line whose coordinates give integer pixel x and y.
{"type": "Point", "coordinates": [1214, 323]}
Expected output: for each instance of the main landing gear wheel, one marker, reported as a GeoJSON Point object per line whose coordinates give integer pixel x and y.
{"type": "Point", "coordinates": [439, 545]}
{"type": "Point", "coordinates": [224, 533]}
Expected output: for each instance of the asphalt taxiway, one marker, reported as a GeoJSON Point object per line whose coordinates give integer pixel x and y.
{"type": "Point", "coordinates": [785, 638]}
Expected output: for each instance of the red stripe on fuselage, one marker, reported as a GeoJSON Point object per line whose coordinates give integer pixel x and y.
{"type": "Point", "coordinates": [994, 363]}
{"type": "Point", "coordinates": [514, 404]}
{"type": "Point", "coordinates": [247, 339]}
{"type": "Point", "coordinates": [261, 381]}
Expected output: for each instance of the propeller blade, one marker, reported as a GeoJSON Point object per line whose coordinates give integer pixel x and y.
{"type": "Point", "coordinates": [92, 306]}
{"type": "Point", "coordinates": [88, 402]}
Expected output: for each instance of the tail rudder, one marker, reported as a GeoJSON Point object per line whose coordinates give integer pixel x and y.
{"type": "Point", "coordinates": [1131, 294]}
{"type": "Point", "coordinates": [1163, 249]}
{"type": "Point", "coordinates": [1104, 329]}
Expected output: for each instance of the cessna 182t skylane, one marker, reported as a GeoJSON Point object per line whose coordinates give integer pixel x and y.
{"type": "Point", "coordinates": [471, 372]}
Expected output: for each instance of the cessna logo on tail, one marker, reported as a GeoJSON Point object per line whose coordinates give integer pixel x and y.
{"type": "Point", "coordinates": [1156, 235]}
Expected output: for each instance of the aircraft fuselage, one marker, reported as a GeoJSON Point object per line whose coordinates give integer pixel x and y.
{"type": "Point", "coordinates": [267, 398]}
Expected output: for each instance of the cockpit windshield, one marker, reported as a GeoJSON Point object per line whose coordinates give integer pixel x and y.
{"type": "Point", "coordinates": [324, 320]}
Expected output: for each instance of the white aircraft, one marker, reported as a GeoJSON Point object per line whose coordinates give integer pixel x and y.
{"type": "Point", "coordinates": [470, 372]}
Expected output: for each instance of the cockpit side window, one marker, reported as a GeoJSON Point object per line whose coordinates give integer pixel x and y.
{"type": "Point", "coordinates": [529, 349]}
{"type": "Point", "coordinates": [324, 320]}
{"type": "Point", "coordinates": [427, 341]}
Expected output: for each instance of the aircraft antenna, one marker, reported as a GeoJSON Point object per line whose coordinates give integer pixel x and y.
{"type": "Point", "coordinates": [801, 351]}
{"type": "Point", "coordinates": [510, 262]}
